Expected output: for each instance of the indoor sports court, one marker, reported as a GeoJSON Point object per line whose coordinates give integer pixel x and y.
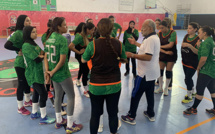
{"type": "Point", "coordinates": [58, 41]}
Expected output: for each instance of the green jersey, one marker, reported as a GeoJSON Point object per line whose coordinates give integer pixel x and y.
{"type": "Point", "coordinates": [129, 47]}
{"type": "Point", "coordinates": [116, 26]}
{"type": "Point", "coordinates": [78, 40]}
{"type": "Point", "coordinates": [55, 46]}
{"type": "Point", "coordinates": [33, 71]}
{"type": "Point", "coordinates": [207, 49]}
{"type": "Point", "coordinates": [101, 90]}
{"type": "Point", "coordinates": [43, 38]}
{"type": "Point", "coordinates": [17, 40]}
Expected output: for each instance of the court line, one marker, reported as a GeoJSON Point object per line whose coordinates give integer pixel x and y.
{"type": "Point", "coordinates": [186, 90]}
{"type": "Point", "coordinates": [195, 126]}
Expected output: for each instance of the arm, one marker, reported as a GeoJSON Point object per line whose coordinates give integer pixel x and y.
{"type": "Point", "coordinates": [83, 61]}
{"type": "Point", "coordinates": [202, 62]}
{"type": "Point", "coordinates": [170, 45]}
{"type": "Point", "coordinates": [135, 34]}
{"type": "Point", "coordinates": [191, 47]}
{"type": "Point", "coordinates": [47, 76]}
{"type": "Point", "coordinates": [120, 31]}
{"type": "Point", "coordinates": [9, 46]}
{"type": "Point", "coordinates": [134, 42]}
{"type": "Point", "coordinates": [72, 47]}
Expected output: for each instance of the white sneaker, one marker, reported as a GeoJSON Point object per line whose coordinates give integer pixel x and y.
{"type": "Point", "coordinates": [64, 104]}
{"type": "Point", "coordinates": [166, 92]}
{"type": "Point", "coordinates": [157, 91]}
{"type": "Point", "coordinates": [100, 128]}
{"type": "Point", "coordinates": [63, 113]}
{"type": "Point", "coordinates": [86, 94]}
{"type": "Point", "coordinates": [78, 83]}
{"type": "Point", "coordinates": [119, 125]}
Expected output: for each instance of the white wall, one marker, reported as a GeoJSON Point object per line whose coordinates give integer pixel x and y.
{"type": "Point", "coordinates": [109, 6]}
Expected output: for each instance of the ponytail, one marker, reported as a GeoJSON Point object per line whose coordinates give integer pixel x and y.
{"type": "Point", "coordinates": [209, 31]}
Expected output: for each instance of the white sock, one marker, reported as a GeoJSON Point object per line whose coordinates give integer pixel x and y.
{"type": "Point", "coordinates": [167, 83]}
{"type": "Point", "coordinates": [193, 91]}
{"type": "Point", "coordinates": [20, 104]}
{"type": "Point", "coordinates": [101, 120]}
{"type": "Point", "coordinates": [86, 88]}
{"type": "Point", "coordinates": [69, 121]}
{"type": "Point", "coordinates": [58, 117]}
{"type": "Point", "coordinates": [27, 97]}
{"type": "Point", "coordinates": [189, 93]}
{"type": "Point", "coordinates": [34, 108]}
{"type": "Point", "coordinates": [160, 82]}
{"type": "Point", "coordinates": [43, 112]}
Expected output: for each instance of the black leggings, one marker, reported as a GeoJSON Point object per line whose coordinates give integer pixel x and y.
{"type": "Point", "coordinates": [189, 72]}
{"type": "Point", "coordinates": [204, 81]}
{"type": "Point", "coordinates": [22, 83]}
{"type": "Point", "coordinates": [133, 61]}
{"type": "Point", "coordinates": [83, 69]}
{"type": "Point", "coordinates": [97, 102]}
{"type": "Point", "coordinates": [39, 91]}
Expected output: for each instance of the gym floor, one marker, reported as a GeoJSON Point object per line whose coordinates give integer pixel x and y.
{"type": "Point", "coordinates": [169, 110]}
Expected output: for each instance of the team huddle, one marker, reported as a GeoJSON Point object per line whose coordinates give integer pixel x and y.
{"type": "Point", "coordinates": [100, 54]}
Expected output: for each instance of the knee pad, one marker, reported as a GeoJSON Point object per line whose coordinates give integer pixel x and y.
{"type": "Point", "coordinates": [161, 73]}
{"type": "Point", "coordinates": [168, 74]}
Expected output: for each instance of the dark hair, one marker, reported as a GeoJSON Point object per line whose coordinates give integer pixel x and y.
{"type": "Point", "coordinates": [84, 31]}
{"type": "Point", "coordinates": [105, 28]}
{"type": "Point", "coordinates": [57, 22]}
{"type": "Point", "coordinates": [49, 30]}
{"type": "Point", "coordinates": [194, 25]}
{"type": "Point", "coordinates": [168, 20]}
{"type": "Point", "coordinates": [49, 24]}
{"type": "Point", "coordinates": [129, 30]}
{"type": "Point", "coordinates": [111, 16]}
{"type": "Point", "coordinates": [88, 20]}
{"type": "Point", "coordinates": [158, 20]}
{"type": "Point", "coordinates": [79, 28]}
{"type": "Point", "coordinates": [20, 22]}
{"type": "Point", "coordinates": [209, 31]}
{"type": "Point", "coordinates": [164, 23]}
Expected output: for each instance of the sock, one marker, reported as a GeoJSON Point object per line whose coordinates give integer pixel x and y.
{"type": "Point", "coordinates": [160, 82]}
{"type": "Point", "coordinates": [85, 88]}
{"type": "Point", "coordinates": [43, 112]}
{"type": "Point", "coordinates": [27, 97]}
{"type": "Point", "coordinates": [101, 120]}
{"type": "Point", "coordinates": [58, 117]}
{"type": "Point", "coordinates": [20, 104]}
{"type": "Point", "coordinates": [213, 100]}
{"type": "Point", "coordinates": [196, 103]}
{"type": "Point", "coordinates": [34, 108]}
{"type": "Point", "coordinates": [167, 83]}
{"type": "Point", "coordinates": [189, 93]}
{"type": "Point", "coordinates": [69, 121]}
{"type": "Point", "coordinates": [193, 91]}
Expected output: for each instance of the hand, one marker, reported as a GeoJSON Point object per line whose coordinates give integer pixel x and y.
{"type": "Point", "coordinates": [184, 44]}
{"type": "Point", "coordinates": [132, 40]}
{"type": "Point", "coordinates": [117, 37]}
{"type": "Point", "coordinates": [129, 54]}
{"type": "Point", "coordinates": [50, 73]}
{"type": "Point", "coordinates": [47, 78]}
{"type": "Point", "coordinates": [169, 53]}
{"type": "Point", "coordinates": [132, 30]}
{"type": "Point", "coordinates": [41, 56]}
{"type": "Point", "coordinates": [81, 51]}
{"type": "Point", "coordinates": [20, 53]}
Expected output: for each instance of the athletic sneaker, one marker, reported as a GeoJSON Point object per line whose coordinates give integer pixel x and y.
{"type": "Point", "coordinates": [35, 116]}
{"type": "Point", "coordinates": [24, 111]}
{"type": "Point", "coordinates": [28, 104]}
{"type": "Point", "coordinates": [47, 120]}
{"type": "Point", "coordinates": [126, 73]}
{"type": "Point", "coordinates": [128, 119]}
{"type": "Point", "coordinates": [157, 91]}
{"type": "Point", "coordinates": [166, 92]}
{"type": "Point", "coordinates": [59, 125]}
{"type": "Point", "coordinates": [150, 118]}
{"type": "Point", "coordinates": [190, 111]}
{"type": "Point", "coordinates": [100, 129]}
{"type": "Point", "coordinates": [86, 94]}
{"type": "Point", "coordinates": [187, 99]}
{"type": "Point", "coordinates": [64, 104]}
{"type": "Point", "coordinates": [74, 128]}
{"type": "Point", "coordinates": [210, 111]}
{"type": "Point", "coordinates": [63, 113]}
{"type": "Point", "coordinates": [78, 83]}
{"type": "Point", "coordinates": [193, 95]}
{"type": "Point", "coordinates": [50, 95]}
